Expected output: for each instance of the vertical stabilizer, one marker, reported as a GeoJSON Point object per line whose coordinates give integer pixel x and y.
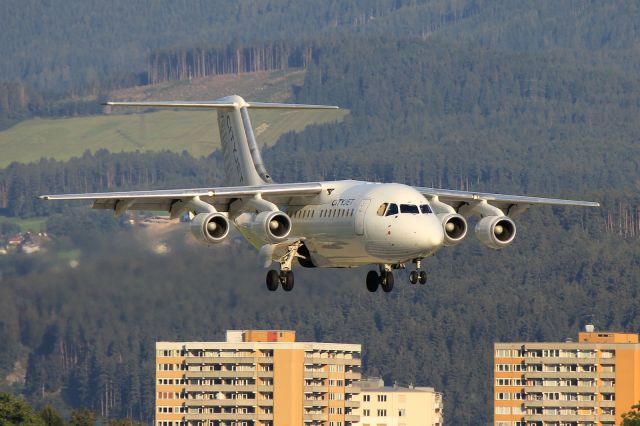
{"type": "Point", "coordinates": [234, 136]}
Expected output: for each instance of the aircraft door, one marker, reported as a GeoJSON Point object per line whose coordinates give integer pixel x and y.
{"type": "Point", "coordinates": [360, 214]}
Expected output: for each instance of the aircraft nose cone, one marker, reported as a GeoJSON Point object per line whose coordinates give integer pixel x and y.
{"type": "Point", "coordinates": [432, 234]}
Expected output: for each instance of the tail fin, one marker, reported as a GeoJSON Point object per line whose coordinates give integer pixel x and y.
{"type": "Point", "coordinates": [242, 160]}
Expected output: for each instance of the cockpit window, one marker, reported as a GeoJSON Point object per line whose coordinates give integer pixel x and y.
{"type": "Point", "coordinates": [382, 209]}
{"type": "Point", "coordinates": [409, 208]}
{"type": "Point", "coordinates": [392, 210]}
{"type": "Point", "coordinates": [425, 209]}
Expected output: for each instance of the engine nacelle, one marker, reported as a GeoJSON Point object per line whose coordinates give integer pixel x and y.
{"type": "Point", "coordinates": [496, 232]}
{"type": "Point", "coordinates": [455, 228]}
{"type": "Point", "coordinates": [210, 228]}
{"type": "Point", "coordinates": [270, 226]}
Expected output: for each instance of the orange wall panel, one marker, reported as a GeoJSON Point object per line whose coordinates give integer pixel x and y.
{"type": "Point", "coordinates": [288, 382]}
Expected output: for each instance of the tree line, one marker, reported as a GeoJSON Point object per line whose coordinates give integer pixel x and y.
{"type": "Point", "coordinates": [188, 63]}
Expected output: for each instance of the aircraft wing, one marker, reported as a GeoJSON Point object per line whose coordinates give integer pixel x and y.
{"type": "Point", "coordinates": [510, 204]}
{"type": "Point", "coordinates": [165, 200]}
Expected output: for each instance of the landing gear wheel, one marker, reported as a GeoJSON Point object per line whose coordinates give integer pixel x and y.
{"type": "Point", "coordinates": [372, 281]}
{"type": "Point", "coordinates": [413, 277]}
{"type": "Point", "coordinates": [273, 279]}
{"type": "Point", "coordinates": [386, 281]}
{"type": "Point", "coordinates": [423, 277]}
{"type": "Point", "coordinates": [286, 279]}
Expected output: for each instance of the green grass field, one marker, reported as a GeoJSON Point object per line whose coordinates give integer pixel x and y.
{"type": "Point", "coordinates": [33, 224]}
{"type": "Point", "coordinates": [194, 131]}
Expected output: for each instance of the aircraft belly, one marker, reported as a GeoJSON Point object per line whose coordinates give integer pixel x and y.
{"type": "Point", "coordinates": [333, 245]}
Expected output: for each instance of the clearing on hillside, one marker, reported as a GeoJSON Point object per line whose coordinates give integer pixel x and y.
{"type": "Point", "coordinates": [194, 131]}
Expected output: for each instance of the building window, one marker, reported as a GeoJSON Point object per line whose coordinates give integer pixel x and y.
{"type": "Point", "coordinates": [366, 412]}
{"type": "Point", "coordinates": [503, 353]}
{"type": "Point", "coordinates": [503, 410]}
{"type": "Point", "coordinates": [382, 398]}
{"type": "Point", "coordinates": [382, 413]}
{"type": "Point", "coordinates": [366, 398]}
{"type": "Point", "coordinates": [402, 412]}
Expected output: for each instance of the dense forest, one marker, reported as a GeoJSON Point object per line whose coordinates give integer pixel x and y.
{"type": "Point", "coordinates": [493, 96]}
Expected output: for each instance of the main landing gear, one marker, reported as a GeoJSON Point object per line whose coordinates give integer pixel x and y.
{"type": "Point", "coordinates": [285, 276]}
{"type": "Point", "coordinates": [384, 279]}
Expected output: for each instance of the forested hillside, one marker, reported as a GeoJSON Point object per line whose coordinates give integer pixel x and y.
{"type": "Point", "coordinates": [61, 44]}
{"type": "Point", "coordinates": [537, 99]}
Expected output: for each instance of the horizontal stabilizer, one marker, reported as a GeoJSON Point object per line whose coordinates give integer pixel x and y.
{"type": "Point", "coordinates": [226, 102]}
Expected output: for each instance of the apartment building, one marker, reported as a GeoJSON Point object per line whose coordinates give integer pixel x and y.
{"type": "Point", "coordinates": [256, 377]}
{"type": "Point", "coordinates": [585, 383]}
{"type": "Point", "coordinates": [382, 405]}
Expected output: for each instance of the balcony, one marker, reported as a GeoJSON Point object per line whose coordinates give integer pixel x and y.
{"type": "Point", "coordinates": [316, 417]}
{"type": "Point", "coordinates": [227, 360]}
{"type": "Point", "coordinates": [315, 389]}
{"type": "Point", "coordinates": [220, 388]}
{"type": "Point", "coordinates": [220, 374]}
{"type": "Point", "coordinates": [352, 404]}
{"type": "Point", "coordinates": [220, 403]}
{"type": "Point", "coordinates": [228, 416]}
{"type": "Point", "coordinates": [316, 375]}
{"type": "Point", "coordinates": [559, 418]}
{"type": "Point", "coordinates": [574, 389]}
{"type": "Point", "coordinates": [560, 375]}
{"type": "Point", "coordinates": [607, 389]}
{"type": "Point", "coordinates": [316, 402]}
{"type": "Point", "coordinates": [558, 403]}
{"type": "Point", "coordinates": [334, 361]}
{"type": "Point", "coordinates": [607, 417]}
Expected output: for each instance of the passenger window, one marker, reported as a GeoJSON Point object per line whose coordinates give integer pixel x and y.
{"type": "Point", "coordinates": [425, 209]}
{"type": "Point", "coordinates": [382, 209]}
{"type": "Point", "coordinates": [392, 210]}
{"type": "Point", "coordinates": [409, 208]}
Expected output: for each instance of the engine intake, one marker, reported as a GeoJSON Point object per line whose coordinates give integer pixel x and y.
{"type": "Point", "coordinates": [271, 226]}
{"type": "Point", "coordinates": [455, 228]}
{"type": "Point", "coordinates": [496, 232]}
{"type": "Point", "coordinates": [210, 228]}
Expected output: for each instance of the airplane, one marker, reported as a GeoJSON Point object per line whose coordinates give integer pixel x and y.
{"type": "Point", "coordinates": [329, 224]}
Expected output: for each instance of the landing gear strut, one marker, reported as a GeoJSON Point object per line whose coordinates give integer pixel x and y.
{"type": "Point", "coordinates": [285, 276]}
{"type": "Point", "coordinates": [384, 279]}
{"type": "Point", "coordinates": [418, 276]}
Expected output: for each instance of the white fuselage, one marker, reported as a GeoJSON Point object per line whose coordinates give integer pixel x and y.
{"type": "Point", "coordinates": [354, 223]}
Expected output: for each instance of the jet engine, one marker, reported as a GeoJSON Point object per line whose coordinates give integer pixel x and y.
{"type": "Point", "coordinates": [496, 232]}
{"type": "Point", "coordinates": [270, 226]}
{"type": "Point", "coordinates": [455, 228]}
{"type": "Point", "coordinates": [210, 228]}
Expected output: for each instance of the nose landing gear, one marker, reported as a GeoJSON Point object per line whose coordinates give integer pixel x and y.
{"type": "Point", "coordinates": [418, 276]}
